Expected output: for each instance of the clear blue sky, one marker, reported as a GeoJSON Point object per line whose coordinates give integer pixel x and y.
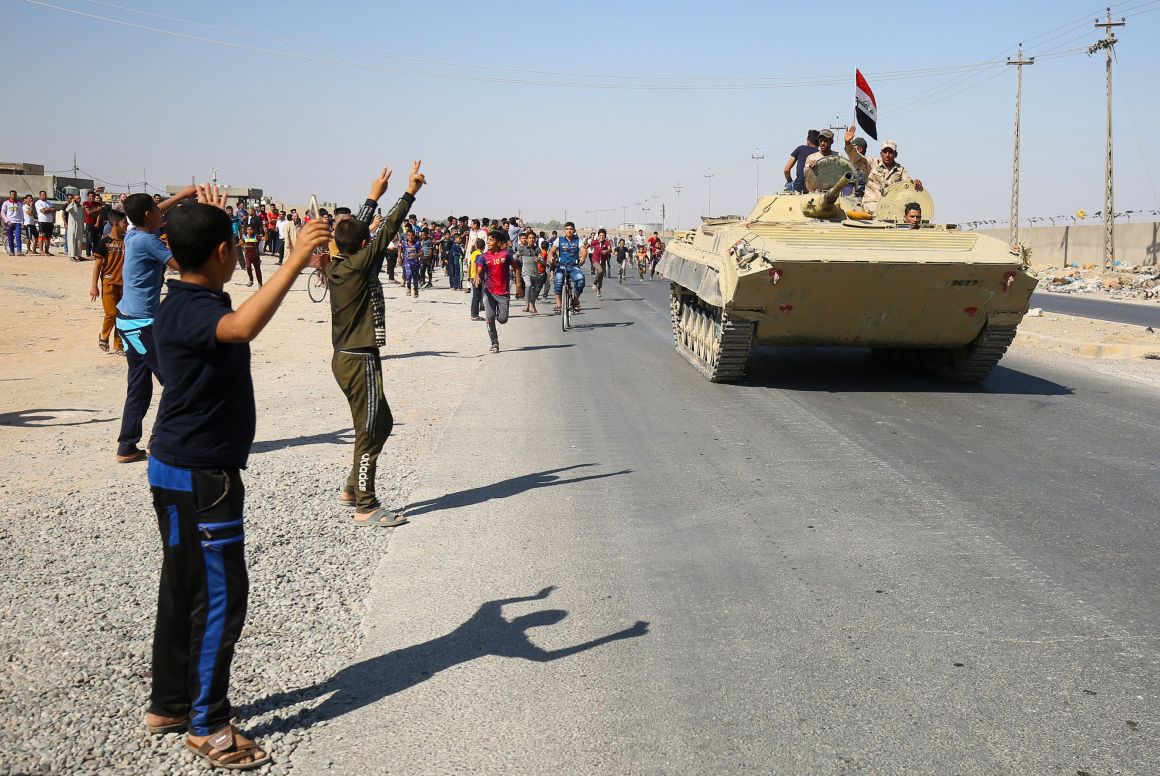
{"type": "Point", "coordinates": [178, 107]}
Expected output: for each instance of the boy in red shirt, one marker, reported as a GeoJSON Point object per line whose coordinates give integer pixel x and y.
{"type": "Point", "coordinates": [493, 275]}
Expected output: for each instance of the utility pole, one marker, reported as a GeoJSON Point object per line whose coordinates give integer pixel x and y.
{"type": "Point", "coordinates": [1106, 44]}
{"type": "Point", "coordinates": [709, 175]}
{"type": "Point", "coordinates": [677, 189]}
{"type": "Point", "coordinates": [74, 164]}
{"type": "Point", "coordinates": [1019, 62]}
{"type": "Point", "coordinates": [757, 156]}
{"type": "Point", "coordinates": [623, 215]}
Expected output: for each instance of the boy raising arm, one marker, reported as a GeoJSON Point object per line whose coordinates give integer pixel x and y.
{"type": "Point", "coordinates": [358, 330]}
{"type": "Point", "coordinates": [204, 429]}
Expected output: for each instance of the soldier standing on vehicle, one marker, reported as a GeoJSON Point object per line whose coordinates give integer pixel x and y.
{"type": "Point", "coordinates": [825, 149]}
{"type": "Point", "coordinates": [880, 173]}
{"type": "Point", "coordinates": [795, 168]}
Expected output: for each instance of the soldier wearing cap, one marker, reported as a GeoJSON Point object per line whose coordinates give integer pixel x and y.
{"type": "Point", "coordinates": [880, 173]}
{"type": "Point", "coordinates": [825, 148]}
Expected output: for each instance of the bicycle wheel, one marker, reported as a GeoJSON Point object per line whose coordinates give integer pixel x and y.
{"type": "Point", "coordinates": [565, 303]}
{"type": "Point", "coordinates": [317, 285]}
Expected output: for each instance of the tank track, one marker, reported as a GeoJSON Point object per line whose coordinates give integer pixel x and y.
{"type": "Point", "coordinates": [968, 364]}
{"type": "Point", "coordinates": [709, 339]}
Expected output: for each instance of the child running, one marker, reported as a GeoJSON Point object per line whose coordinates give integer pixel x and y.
{"type": "Point", "coordinates": [621, 259]}
{"type": "Point", "coordinates": [204, 430]}
{"type": "Point", "coordinates": [493, 277]}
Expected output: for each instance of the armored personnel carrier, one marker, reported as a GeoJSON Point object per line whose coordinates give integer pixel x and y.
{"type": "Point", "coordinates": [814, 270]}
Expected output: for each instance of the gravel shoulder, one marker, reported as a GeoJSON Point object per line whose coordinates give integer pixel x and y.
{"type": "Point", "coordinates": [78, 541]}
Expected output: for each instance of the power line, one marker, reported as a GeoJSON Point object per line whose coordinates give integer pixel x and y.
{"type": "Point", "coordinates": [765, 83]}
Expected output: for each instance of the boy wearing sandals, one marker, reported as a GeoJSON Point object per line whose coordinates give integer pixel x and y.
{"type": "Point", "coordinates": [202, 437]}
{"type": "Point", "coordinates": [358, 330]}
{"type": "Point", "coordinates": [107, 281]}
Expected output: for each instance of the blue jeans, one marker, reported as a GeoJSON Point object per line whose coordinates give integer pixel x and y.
{"type": "Point", "coordinates": [12, 233]}
{"type": "Point", "coordinates": [574, 274]}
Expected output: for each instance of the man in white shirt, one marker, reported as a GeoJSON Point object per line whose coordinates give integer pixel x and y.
{"type": "Point", "coordinates": [45, 221]}
{"type": "Point", "coordinates": [30, 232]}
{"type": "Point", "coordinates": [281, 223]}
{"type": "Point", "coordinates": [12, 216]}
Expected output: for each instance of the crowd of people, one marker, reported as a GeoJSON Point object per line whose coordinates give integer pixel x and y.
{"type": "Point", "coordinates": [195, 344]}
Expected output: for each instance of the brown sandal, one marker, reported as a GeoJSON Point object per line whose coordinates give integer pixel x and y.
{"type": "Point", "coordinates": [103, 344]}
{"type": "Point", "coordinates": [223, 750]}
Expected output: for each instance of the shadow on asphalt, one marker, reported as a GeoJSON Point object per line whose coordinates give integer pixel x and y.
{"type": "Point", "coordinates": [541, 347]}
{"type": "Point", "coordinates": [423, 353]}
{"type": "Point", "coordinates": [855, 370]}
{"type": "Point", "coordinates": [45, 418]}
{"type": "Point", "coordinates": [341, 437]}
{"type": "Point", "coordinates": [503, 489]}
{"type": "Point", "coordinates": [486, 633]}
{"type": "Point", "coordinates": [608, 325]}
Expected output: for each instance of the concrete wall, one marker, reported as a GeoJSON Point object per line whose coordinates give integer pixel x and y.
{"type": "Point", "coordinates": [34, 184]}
{"type": "Point", "coordinates": [1137, 243]}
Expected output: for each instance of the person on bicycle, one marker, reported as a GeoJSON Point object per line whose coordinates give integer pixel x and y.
{"type": "Point", "coordinates": [568, 255]}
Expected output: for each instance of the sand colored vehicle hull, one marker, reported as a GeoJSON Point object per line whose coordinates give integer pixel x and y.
{"type": "Point", "coordinates": [936, 297]}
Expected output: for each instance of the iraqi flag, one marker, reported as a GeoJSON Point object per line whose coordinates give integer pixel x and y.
{"type": "Point", "coordinates": [865, 106]}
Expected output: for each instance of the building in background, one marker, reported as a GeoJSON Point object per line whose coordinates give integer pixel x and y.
{"type": "Point", "coordinates": [28, 178]}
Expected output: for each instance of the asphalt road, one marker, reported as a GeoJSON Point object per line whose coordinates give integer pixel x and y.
{"type": "Point", "coordinates": [617, 567]}
{"type": "Point", "coordinates": [1090, 307]}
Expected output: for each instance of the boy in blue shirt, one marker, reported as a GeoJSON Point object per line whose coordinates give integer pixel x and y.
{"type": "Point", "coordinates": [146, 259]}
{"type": "Point", "coordinates": [426, 257]}
{"type": "Point", "coordinates": [204, 429]}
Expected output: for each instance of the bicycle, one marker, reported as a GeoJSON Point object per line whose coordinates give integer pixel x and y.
{"type": "Point", "coordinates": [566, 302]}
{"type": "Point", "coordinates": [317, 284]}
{"type": "Point", "coordinates": [566, 299]}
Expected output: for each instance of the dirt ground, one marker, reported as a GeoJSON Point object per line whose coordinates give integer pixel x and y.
{"type": "Point", "coordinates": [60, 396]}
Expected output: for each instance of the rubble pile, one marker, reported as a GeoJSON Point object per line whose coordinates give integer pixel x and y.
{"type": "Point", "coordinates": [1121, 283]}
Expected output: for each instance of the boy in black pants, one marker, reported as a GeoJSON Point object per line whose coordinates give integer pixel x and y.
{"type": "Point", "coordinates": [358, 329]}
{"type": "Point", "coordinates": [204, 429]}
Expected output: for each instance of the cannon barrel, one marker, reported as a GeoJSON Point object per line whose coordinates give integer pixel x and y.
{"type": "Point", "coordinates": [823, 204]}
{"type": "Point", "coordinates": [835, 191]}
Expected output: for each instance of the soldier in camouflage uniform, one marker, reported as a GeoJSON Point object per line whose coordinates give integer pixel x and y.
{"type": "Point", "coordinates": [880, 172]}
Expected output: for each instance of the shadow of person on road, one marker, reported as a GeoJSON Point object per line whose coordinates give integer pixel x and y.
{"type": "Point", "coordinates": [607, 325]}
{"type": "Point", "coordinates": [503, 489]}
{"type": "Point", "coordinates": [541, 347]}
{"type": "Point", "coordinates": [487, 632]}
{"type": "Point", "coordinates": [43, 418]}
{"type": "Point", "coordinates": [418, 354]}
{"type": "Point", "coordinates": [341, 437]}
